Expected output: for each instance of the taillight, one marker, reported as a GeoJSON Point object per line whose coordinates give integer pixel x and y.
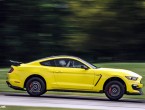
{"type": "Point", "coordinates": [11, 70]}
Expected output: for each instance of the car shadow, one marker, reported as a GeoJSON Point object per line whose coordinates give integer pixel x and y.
{"type": "Point", "coordinates": [75, 97]}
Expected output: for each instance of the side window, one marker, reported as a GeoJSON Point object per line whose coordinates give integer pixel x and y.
{"type": "Point", "coordinates": [75, 64]}
{"type": "Point", "coordinates": [48, 63]}
{"type": "Point", "coordinates": [61, 62]}
{"type": "Point", "coordinates": [68, 63]}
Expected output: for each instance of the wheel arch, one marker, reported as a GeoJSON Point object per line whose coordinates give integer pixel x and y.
{"type": "Point", "coordinates": [34, 75]}
{"type": "Point", "coordinates": [114, 79]}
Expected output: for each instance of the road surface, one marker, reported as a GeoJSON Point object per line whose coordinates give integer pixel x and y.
{"type": "Point", "coordinates": [70, 102]}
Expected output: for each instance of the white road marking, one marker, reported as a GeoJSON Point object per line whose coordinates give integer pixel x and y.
{"type": "Point", "coordinates": [69, 103]}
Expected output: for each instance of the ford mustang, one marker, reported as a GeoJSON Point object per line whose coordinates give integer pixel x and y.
{"type": "Point", "coordinates": [69, 73]}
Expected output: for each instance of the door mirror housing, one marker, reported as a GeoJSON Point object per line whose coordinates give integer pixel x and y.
{"type": "Point", "coordinates": [84, 67]}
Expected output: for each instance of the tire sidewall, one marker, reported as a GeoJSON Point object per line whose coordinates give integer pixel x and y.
{"type": "Point", "coordinates": [42, 90]}
{"type": "Point", "coordinates": [121, 92]}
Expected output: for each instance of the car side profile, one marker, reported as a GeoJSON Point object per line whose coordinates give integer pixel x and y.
{"type": "Point", "coordinates": [69, 73]}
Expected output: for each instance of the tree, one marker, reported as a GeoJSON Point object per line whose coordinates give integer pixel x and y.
{"type": "Point", "coordinates": [111, 26]}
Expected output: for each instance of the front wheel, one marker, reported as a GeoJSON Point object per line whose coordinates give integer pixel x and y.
{"type": "Point", "coordinates": [114, 90]}
{"type": "Point", "coordinates": [35, 86]}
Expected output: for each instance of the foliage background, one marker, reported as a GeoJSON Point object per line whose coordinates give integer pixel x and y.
{"type": "Point", "coordinates": [97, 30]}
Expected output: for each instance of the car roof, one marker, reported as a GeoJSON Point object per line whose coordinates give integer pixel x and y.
{"type": "Point", "coordinates": [55, 57]}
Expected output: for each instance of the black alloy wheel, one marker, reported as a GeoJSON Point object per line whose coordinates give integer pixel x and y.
{"type": "Point", "coordinates": [114, 90]}
{"type": "Point", "coordinates": [35, 86]}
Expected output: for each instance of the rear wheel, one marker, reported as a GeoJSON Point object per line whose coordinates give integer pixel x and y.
{"type": "Point", "coordinates": [35, 86]}
{"type": "Point", "coordinates": [114, 90]}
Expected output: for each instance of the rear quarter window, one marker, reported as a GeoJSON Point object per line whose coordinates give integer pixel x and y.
{"type": "Point", "coordinates": [48, 63]}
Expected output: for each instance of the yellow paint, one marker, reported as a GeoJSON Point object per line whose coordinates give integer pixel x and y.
{"type": "Point", "coordinates": [65, 78]}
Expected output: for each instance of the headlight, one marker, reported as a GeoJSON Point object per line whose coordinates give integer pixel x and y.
{"type": "Point", "coordinates": [131, 78]}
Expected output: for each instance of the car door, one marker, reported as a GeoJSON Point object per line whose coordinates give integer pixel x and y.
{"type": "Point", "coordinates": [69, 74]}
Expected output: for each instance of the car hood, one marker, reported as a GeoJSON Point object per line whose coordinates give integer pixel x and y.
{"type": "Point", "coordinates": [119, 71]}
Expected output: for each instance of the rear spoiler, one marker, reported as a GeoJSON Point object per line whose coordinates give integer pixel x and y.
{"type": "Point", "coordinates": [15, 63]}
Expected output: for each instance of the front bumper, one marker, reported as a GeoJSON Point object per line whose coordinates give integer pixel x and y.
{"type": "Point", "coordinates": [136, 89]}
{"type": "Point", "coordinates": [13, 87]}
{"type": "Point", "coordinates": [137, 86]}
{"type": "Point", "coordinates": [139, 92]}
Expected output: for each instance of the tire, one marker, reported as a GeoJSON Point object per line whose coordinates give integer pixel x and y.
{"type": "Point", "coordinates": [114, 90]}
{"type": "Point", "coordinates": [35, 86]}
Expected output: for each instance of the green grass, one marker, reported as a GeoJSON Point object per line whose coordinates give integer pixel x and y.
{"type": "Point", "coordinates": [32, 108]}
{"type": "Point", "coordinates": [136, 67]}
{"type": "Point", "coordinates": [3, 86]}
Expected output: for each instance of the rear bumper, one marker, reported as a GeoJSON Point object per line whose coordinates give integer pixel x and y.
{"type": "Point", "coordinates": [13, 87]}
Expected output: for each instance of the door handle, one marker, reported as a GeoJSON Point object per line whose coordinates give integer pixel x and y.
{"type": "Point", "coordinates": [58, 71]}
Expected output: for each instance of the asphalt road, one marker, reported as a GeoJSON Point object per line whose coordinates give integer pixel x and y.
{"type": "Point", "coordinates": [70, 102]}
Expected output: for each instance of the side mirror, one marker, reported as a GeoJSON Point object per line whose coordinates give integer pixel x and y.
{"type": "Point", "coordinates": [84, 67]}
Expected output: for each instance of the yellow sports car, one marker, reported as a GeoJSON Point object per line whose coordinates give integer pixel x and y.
{"type": "Point", "coordinates": [68, 73]}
